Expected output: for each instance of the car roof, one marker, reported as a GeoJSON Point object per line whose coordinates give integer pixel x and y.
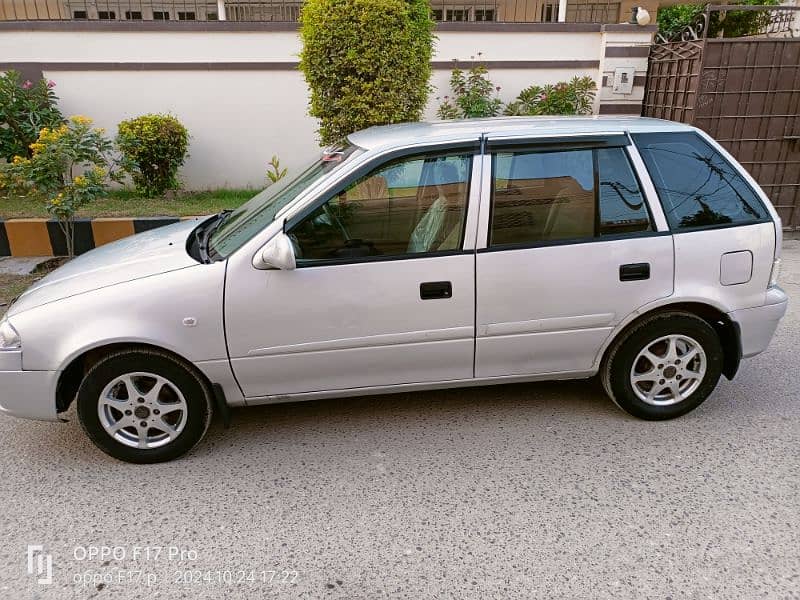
{"type": "Point", "coordinates": [404, 134]}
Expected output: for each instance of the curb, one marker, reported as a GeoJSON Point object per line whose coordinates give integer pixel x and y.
{"type": "Point", "coordinates": [43, 237]}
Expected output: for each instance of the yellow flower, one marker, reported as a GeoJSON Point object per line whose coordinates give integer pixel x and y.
{"type": "Point", "coordinates": [17, 160]}
{"type": "Point", "coordinates": [57, 201]}
{"type": "Point", "coordinates": [37, 147]}
{"type": "Point", "coordinates": [80, 120]}
{"type": "Point", "coordinates": [79, 180]}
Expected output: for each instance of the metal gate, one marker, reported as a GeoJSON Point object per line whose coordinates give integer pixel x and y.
{"type": "Point", "coordinates": [744, 92]}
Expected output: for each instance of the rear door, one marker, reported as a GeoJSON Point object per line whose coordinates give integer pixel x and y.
{"type": "Point", "coordinates": [725, 238]}
{"type": "Point", "coordinates": [569, 248]}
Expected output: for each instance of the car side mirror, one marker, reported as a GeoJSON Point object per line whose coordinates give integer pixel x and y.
{"type": "Point", "coordinates": [278, 253]}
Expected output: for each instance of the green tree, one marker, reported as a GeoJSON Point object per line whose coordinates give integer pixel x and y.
{"type": "Point", "coordinates": [735, 23]}
{"type": "Point", "coordinates": [69, 168]}
{"type": "Point", "coordinates": [367, 62]}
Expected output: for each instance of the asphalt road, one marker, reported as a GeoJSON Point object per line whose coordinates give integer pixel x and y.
{"type": "Point", "coordinates": [523, 491]}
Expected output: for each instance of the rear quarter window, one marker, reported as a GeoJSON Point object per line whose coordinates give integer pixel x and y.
{"type": "Point", "coordinates": [697, 186]}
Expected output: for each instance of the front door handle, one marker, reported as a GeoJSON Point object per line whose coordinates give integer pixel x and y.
{"type": "Point", "coordinates": [634, 272]}
{"type": "Point", "coordinates": [431, 290]}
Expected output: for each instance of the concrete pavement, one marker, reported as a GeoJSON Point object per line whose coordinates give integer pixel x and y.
{"type": "Point", "coordinates": [523, 491]}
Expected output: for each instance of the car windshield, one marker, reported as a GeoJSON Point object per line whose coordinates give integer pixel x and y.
{"type": "Point", "coordinates": [258, 212]}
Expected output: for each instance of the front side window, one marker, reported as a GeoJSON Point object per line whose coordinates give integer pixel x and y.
{"type": "Point", "coordinates": [414, 205]}
{"type": "Point", "coordinates": [541, 197]}
{"type": "Point", "coordinates": [258, 212]}
{"type": "Point", "coordinates": [696, 185]}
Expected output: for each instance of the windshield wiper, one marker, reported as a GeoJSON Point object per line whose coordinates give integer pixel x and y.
{"type": "Point", "coordinates": [203, 234]}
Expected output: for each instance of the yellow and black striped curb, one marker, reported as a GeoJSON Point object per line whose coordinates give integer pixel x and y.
{"type": "Point", "coordinates": [43, 237]}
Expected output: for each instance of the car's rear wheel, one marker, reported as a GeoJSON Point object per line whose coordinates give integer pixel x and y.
{"type": "Point", "coordinates": [664, 367]}
{"type": "Point", "coordinates": [144, 406]}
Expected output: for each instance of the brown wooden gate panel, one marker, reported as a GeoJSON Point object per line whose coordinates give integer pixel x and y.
{"type": "Point", "coordinates": [673, 76]}
{"type": "Point", "coordinates": [745, 92]}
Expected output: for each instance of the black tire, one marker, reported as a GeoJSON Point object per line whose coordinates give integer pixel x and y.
{"type": "Point", "coordinates": [619, 362]}
{"type": "Point", "coordinates": [195, 391]}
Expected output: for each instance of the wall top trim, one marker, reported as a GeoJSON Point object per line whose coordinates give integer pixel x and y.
{"type": "Point", "coordinates": [233, 26]}
{"type": "Point", "coordinates": [627, 51]}
{"type": "Point", "coordinates": [38, 67]}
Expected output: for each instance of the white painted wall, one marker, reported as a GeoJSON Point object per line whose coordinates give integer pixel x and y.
{"type": "Point", "coordinates": [239, 118]}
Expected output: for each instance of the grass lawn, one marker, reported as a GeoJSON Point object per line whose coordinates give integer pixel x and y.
{"type": "Point", "coordinates": [123, 203]}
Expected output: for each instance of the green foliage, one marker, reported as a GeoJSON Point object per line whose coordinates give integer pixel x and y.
{"type": "Point", "coordinates": [68, 168]}
{"type": "Point", "coordinates": [672, 19]}
{"type": "Point", "coordinates": [736, 23]}
{"type": "Point", "coordinates": [153, 148]}
{"type": "Point", "coordinates": [25, 107]}
{"type": "Point", "coordinates": [274, 171]}
{"type": "Point", "coordinates": [474, 95]}
{"type": "Point", "coordinates": [367, 62]}
{"type": "Point", "coordinates": [565, 98]}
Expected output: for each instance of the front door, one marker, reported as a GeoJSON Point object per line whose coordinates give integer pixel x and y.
{"type": "Point", "coordinates": [383, 293]}
{"type": "Point", "coordinates": [571, 249]}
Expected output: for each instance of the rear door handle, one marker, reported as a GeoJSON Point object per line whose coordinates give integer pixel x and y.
{"type": "Point", "coordinates": [634, 272]}
{"type": "Point", "coordinates": [431, 290]}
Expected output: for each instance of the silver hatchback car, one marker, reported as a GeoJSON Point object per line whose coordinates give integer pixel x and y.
{"type": "Point", "coordinates": [420, 256]}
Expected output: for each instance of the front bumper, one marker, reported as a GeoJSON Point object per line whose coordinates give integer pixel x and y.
{"type": "Point", "coordinates": [757, 325]}
{"type": "Point", "coordinates": [26, 394]}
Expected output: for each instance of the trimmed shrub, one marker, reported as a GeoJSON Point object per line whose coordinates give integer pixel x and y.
{"type": "Point", "coordinates": [25, 108]}
{"type": "Point", "coordinates": [153, 148]}
{"type": "Point", "coordinates": [367, 62]}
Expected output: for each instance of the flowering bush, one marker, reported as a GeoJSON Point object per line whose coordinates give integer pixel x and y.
{"type": "Point", "coordinates": [153, 148]}
{"type": "Point", "coordinates": [25, 107]}
{"type": "Point", "coordinates": [474, 95]}
{"type": "Point", "coordinates": [565, 98]}
{"type": "Point", "coordinates": [68, 167]}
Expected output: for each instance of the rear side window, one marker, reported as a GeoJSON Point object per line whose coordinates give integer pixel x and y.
{"type": "Point", "coordinates": [696, 185]}
{"type": "Point", "coordinates": [541, 197]}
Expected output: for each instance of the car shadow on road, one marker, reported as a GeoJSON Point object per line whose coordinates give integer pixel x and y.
{"type": "Point", "coordinates": [564, 400]}
{"type": "Point", "coordinates": [563, 404]}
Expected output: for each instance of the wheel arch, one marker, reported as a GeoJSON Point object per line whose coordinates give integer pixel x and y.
{"type": "Point", "coordinates": [726, 328]}
{"type": "Point", "coordinates": [73, 373]}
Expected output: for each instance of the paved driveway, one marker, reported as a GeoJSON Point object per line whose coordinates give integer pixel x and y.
{"type": "Point", "coordinates": [523, 491]}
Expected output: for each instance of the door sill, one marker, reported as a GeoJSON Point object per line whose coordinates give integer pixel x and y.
{"type": "Point", "coordinates": [410, 387]}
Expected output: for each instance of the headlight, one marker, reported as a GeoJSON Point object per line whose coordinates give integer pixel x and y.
{"type": "Point", "coordinates": [776, 272]}
{"type": "Point", "coordinates": [9, 338]}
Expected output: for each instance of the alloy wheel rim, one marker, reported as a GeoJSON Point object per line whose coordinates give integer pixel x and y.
{"type": "Point", "coordinates": [142, 410]}
{"type": "Point", "coordinates": [668, 370]}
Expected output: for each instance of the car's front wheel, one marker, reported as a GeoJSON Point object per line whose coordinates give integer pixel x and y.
{"type": "Point", "coordinates": [664, 367]}
{"type": "Point", "coordinates": [144, 406]}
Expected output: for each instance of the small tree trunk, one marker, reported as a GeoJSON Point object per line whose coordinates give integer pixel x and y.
{"type": "Point", "coordinates": [67, 225]}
